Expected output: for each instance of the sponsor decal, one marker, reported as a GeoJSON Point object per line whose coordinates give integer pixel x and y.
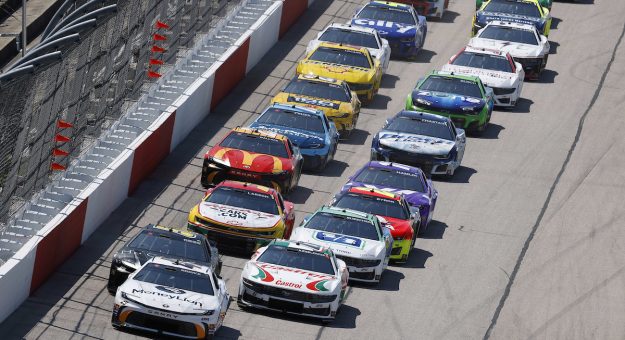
{"type": "Point", "coordinates": [317, 286]}
{"type": "Point", "coordinates": [161, 313]}
{"type": "Point", "coordinates": [289, 284]}
{"type": "Point", "coordinates": [171, 290]}
{"type": "Point", "coordinates": [346, 240]}
{"type": "Point", "coordinates": [169, 296]}
{"type": "Point", "coordinates": [414, 139]}
{"type": "Point", "coordinates": [263, 275]}
{"type": "Point", "coordinates": [292, 270]}
{"type": "Point", "coordinates": [310, 101]}
{"type": "Point", "coordinates": [400, 28]}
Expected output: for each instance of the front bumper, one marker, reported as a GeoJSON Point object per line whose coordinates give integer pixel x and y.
{"type": "Point", "coordinates": [214, 174]}
{"type": "Point", "coordinates": [163, 323]}
{"type": "Point", "coordinates": [403, 49]}
{"type": "Point", "coordinates": [312, 162]}
{"type": "Point", "coordinates": [506, 97]}
{"type": "Point", "coordinates": [362, 272]}
{"type": "Point", "coordinates": [401, 250]}
{"type": "Point", "coordinates": [428, 164]}
{"type": "Point", "coordinates": [233, 237]}
{"type": "Point", "coordinates": [365, 91]}
{"type": "Point", "coordinates": [343, 124]}
{"type": "Point", "coordinates": [533, 66]}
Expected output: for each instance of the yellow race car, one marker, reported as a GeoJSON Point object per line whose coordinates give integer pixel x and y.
{"type": "Point", "coordinates": [352, 64]}
{"type": "Point", "coordinates": [340, 104]}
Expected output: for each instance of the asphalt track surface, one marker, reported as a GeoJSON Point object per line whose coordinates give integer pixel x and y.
{"type": "Point", "coordinates": [527, 240]}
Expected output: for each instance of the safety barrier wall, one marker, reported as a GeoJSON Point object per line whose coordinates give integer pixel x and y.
{"type": "Point", "coordinates": [36, 260]}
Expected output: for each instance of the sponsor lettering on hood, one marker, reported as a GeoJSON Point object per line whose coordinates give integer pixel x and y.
{"type": "Point", "coordinates": [237, 216]}
{"type": "Point", "coordinates": [167, 296]}
{"type": "Point", "coordinates": [385, 27]}
{"type": "Point", "coordinates": [416, 143]}
{"type": "Point", "coordinates": [311, 101]}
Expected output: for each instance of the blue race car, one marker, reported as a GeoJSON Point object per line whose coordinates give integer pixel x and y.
{"type": "Point", "coordinates": [400, 24]}
{"type": "Point", "coordinates": [308, 129]}
{"type": "Point", "coordinates": [405, 180]}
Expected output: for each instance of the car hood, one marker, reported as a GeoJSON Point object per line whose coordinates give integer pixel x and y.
{"type": "Point", "coordinates": [489, 77]}
{"type": "Point", "coordinates": [387, 29]}
{"type": "Point", "coordinates": [516, 50]}
{"type": "Point", "coordinates": [414, 198]}
{"type": "Point", "coordinates": [251, 161]}
{"type": "Point", "coordinates": [348, 73]}
{"type": "Point", "coordinates": [486, 17]}
{"type": "Point", "coordinates": [238, 217]}
{"type": "Point", "coordinates": [415, 143]}
{"type": "Point", "coordinates": [171, 299]}
{"type": "Point", "coordinates": [447, 101]}
{"type": "Point", "coordinates": [311, 101]}
{"type": "Point", "coordinates": [302, 138]}
{"type": "Point", "coordinates": [291, 278]}
{"type": "Point", "coordinates": [343, 245]}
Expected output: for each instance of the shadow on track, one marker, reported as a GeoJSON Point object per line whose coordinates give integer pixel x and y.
{"type": "Point", "coordinates": [434, 231]}
{"type": "Point", "coordinates": [547, 77]}
{"type": "Point", "coordinates": [417, 258]}
{"type": "Point", "coordinates": [358, 137]}
{"type": "Point", "coordinates": [462, 175]}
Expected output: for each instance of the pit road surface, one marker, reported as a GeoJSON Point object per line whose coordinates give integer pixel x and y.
{"type": "Point", "coordinates": [527, 240]}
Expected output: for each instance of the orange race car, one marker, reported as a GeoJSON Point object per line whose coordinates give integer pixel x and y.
{"type": "Point", "coordinates": [255, 156]}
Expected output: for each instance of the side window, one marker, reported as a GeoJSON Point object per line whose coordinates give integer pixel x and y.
{"type": "Point", "coordinates": [325, 122]}
{"type": "Point", "coordinates": [479, 82]}
{"type": "Point", "coordinates": [452, 127]}
{"type": "Point", "coordinates": [348, 91]}
{"type": "Point", "coordinates": [378, 38]}
{"type": "Point", "coordinates": [423, 178]}
{"type": "Point", "coordinates": [215, 281]}
{"type": "Point", "coordinates": [290, 146]}
{"type": "Point", "coordinates": [281, 202]}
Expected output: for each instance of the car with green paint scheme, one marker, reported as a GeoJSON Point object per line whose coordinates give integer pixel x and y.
{"type": "Point", "coordinates": [462, 98]}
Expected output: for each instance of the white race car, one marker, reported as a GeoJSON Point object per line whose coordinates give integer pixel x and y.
{"type": "Point", "coordinates": [169, 297]}
{"type": "Point", "coordinates": [294, 277]}
{"type": "Point", "coordinates": [355, 36]}
{"type": "Point", "coordinates": [496, 69]}
{"type": "Point", "coordinates": [522, 41]}
{"type": "Point", "coordinates": [359, 239]}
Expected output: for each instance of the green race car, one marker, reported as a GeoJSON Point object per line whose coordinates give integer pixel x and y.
{"type": "Point", "coordinates": [464, 99]}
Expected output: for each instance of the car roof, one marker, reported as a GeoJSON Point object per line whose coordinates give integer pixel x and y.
{"type": "Point", "coordinates": [421, 114]}
{"type": "Point", "coordinates": [181, 264]}
{"type": "Point", "coordinates": [389, 4]}
{"type": "Point", "coordinates": [374, 192]}
{"type": "Point", "coordinates": [392, 166]}
{"type": "Point", "coordinates": [503, 23]}
{"type": "Point", "coordinates": [295, 108]}
{"type": "Point", "coordinates": [348, 213]}
{"type": "Point", "coordinates": [344, 47]}
{"type": "Point", "coordinates": [318, 79]}
{"type": "Point", "coordinates": [481, 50]}
{"type": "Point", "coordinates": [248, 187]}
{"type": "Point", "coordinates": [300, 245]}
{"type": "Point", "coordinates": [350, 27]}
{"type": "Point", "coordinates": [261, 133]}
{"type": "Point", "coordinates": [452, 75]}
{"type": "Point", "coordinates": [171, 232]}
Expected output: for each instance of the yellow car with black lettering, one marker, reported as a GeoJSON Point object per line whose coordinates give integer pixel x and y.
{"type": "Point", "coordinates": [354, 65]}
{"type": "Point", "coordinates": [340, 104]}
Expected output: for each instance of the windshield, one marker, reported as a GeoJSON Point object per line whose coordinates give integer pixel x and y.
{"type": "Point", "coordinates": [343, 36]}
{"type": "Point", "coordinates": [512, 34]}
{"type": "Point", "coordinates": [522, 8]}
{"type": "Point", "coordinates": [398, 15]}
{"type": "Point", "coordinates": [292, 119]}
{"type": "Point", "coordinates": [176, 278]}
{"type": "Point", "coordinates": [297, 258]}
{"type": "Point", "coordinates": [177, 246]}
{"type": "Point", "coordinates": [344, 225]}
{"type": "Point", "coordinates": [318, 90]}
{"type": "Point", "coordinates": [457, 86]}
{"type": "Point", "coordinates": [257, 144]}
{"type": "Point", "coordinates": [421, 126]}
{"type": "Point", "coordinates": [340, 57]}
{"type": "Point", "coordinates": [372, 205]}
{"type": "Point", "coordinates": [243, 199]}
{"type": "Point", "coordinates": [394, 179]}
{"type": "Point", "coordinates": [483, 61]}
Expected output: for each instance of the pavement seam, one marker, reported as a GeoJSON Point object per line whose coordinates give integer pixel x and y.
{"type": "Point", "coordinates": [554, 185]}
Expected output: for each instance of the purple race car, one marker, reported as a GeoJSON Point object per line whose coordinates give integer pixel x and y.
{"type": "Point", "coordinates": [402, 179]}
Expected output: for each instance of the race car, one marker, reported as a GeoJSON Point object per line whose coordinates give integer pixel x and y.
{"type": "Point", "coordinates": [392, 208]}
{"type": "Point", "coordinates": [243, 215]}
{"type": "Point", "coordinates": [408, 181]}
{"type": "Point", "coordinates": [294, 277]}
{"type": "Point", "coordinates": [355, 65]}
{"type": "Point", "coordinates": [334, 97]}
{"type": "Point", "coordinates": [156, 240]}
{"type": "Point", "coordinates": [462, 98]}
{"type": "Point", "coordinates": [429, 8]}
{"type": "Point", "coordinates": [308, 129]}
{"type": "Point", "coordinates": [167, 297]}
{"type": "Point", "coordinates": [249, 155]}
{"type": "Point", "coordinates": [495, 68]}
{"type": "Point", "coordinates": [544, 3]}
{"type": "Point", "coordinates": [359, 239]}
{"type": "Point", "coordinates": [355, 36]}
{"type": "Point", "coordinates": [516, 11]}
{"type": "Point", "coordinates": [428, 141]}
{"type": "Point", "coordinates": [523, 42]}
{"type": "Point", "coordinates": [400, 24]}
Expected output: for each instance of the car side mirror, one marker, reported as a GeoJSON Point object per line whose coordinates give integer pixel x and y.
{"type": "Point", "coordinates": [341, 263]}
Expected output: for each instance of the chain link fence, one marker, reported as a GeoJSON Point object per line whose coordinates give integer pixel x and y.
{"type": "Point", "coordinates": [95, 82]}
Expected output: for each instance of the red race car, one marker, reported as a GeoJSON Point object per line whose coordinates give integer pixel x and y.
{"type": "Point", "coordinates": [242, 214]}
{"type": "Point", "coordinates": [256, 156]}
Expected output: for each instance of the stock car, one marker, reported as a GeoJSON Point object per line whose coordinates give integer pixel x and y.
{"type": "Point", "coordinates": [294, 277]}
{"type": "Point", "coordinates": [495, 68]}
{"type": "Point", "coordinates": [308, 129]}
{"type": "Point", "coordinates": [242, 214]}
{"type": "Point", "coordinates": [517, 11]}
{"type": "Point", "coordinates": [249, 155]}
{"type": "Point", "coordinates": [355, 65]}
{"type": "Point", "coordinates": [334, 97]}
{"type": "Point", "coordinates": [428, 141]}
{"type": "Point", "coordinates": [408, 181]}
{"type": "Point", "coordinates": [523, 42]}
{"type": "Point", "coordinates": [167, 297]}
{"type": "Point", "coordinates": [155, 240]}
{"type": "Point", "coordinates": [400, 24]}
{"type": "Point", "coordinates": [429, 8]}
{"type": "Point", "coordinates": [405, 225]}
{"type": "Point", "coordinates": [462, 98]}
{"type": "Point", "coordinates": [544, 3]}
{"type": "Point", "coordinates": [360, 239]}
{"type": "Point", "coordinates": [355, 36]}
